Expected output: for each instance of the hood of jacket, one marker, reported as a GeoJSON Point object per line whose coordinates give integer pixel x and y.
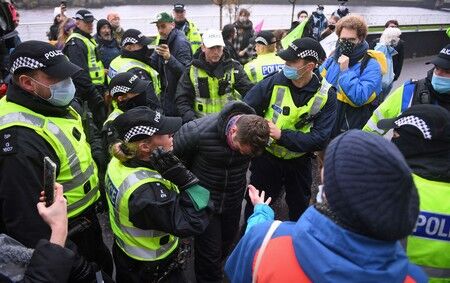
{"type": "Point", "coordinates": [343, 254]}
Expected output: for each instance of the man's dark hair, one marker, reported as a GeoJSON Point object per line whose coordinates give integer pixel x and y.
{"type": "Point", "coordinates": [301, 12]}
{"type": "Point", "coordinates": [228, 31]}
{"type": "Point", "coordinates": [253, 130]}
{"type": "Point", "coordinates": [395, 22]}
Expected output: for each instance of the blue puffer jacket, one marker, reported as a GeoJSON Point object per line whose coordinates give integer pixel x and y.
{"type": "Point", "coordinates": [324, 252]}
{"type": "Point", "coordinates": [171, 71]}
{"type": "Point", "coordinates": [356, 91]}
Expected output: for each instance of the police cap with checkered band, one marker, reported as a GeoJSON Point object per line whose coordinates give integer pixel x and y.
{"type": "Point", "coordinates": [425, 121]}
{"type": "Point", "coordinates": [142, 122]}
{"type": "Point", "coordinates": [39, 55]}
{"type": "Point", "coordinates": [303, 48]}
{"type": "Point", "coordinates": [127, 82]}
{"type": "Point", "coordinates": [133, 36]}
{"type": "Point", "coordinates": [442, 60]}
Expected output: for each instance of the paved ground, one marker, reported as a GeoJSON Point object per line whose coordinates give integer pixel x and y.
{"type": "Point", "coordinates": [412, 68]}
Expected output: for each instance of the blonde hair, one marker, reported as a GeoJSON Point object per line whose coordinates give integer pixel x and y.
{"type": "Point", "coordinates": [390, 35]}
{"type": "Point", "coordinates": [353, 22]}
{"type": "Point", "coordinates": [124, 151]}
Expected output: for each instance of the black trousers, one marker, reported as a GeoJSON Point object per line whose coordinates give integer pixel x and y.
{"type": "Point", "coordinates": [214, 245]}
{"type": "Point", "coordinates": [90, 242]}
{"type": "Point", "coordinates": [129, 270]}
{"type": "Point", "coordinates": [272, 174]}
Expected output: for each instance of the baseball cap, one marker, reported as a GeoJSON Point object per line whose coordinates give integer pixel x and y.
{"type": "Point", "coordinates": [212, 37]}
{"type": "Point", "coordinates": [141, 122]}
{"type": "Point", "coordinates": [124, 83]}
{"type": "Point", "coordinates": [303, 48]}
{"type": "Point", "coordinates": [163, 18]}
{"type": "Point", "coordinates": [442, 60]}
{"type": "Point", "coordinates": [84, 15]}
{"type": "Point", "coordinates": [425, 121]}
{"type": "Point", "coordinates": [320, 7]}
{"type": "Point", "coordinates": [39, 55]}
{"type": "Point", "coordinates": [265, 38]}
{"type": "Point", "coordinates": [178, 7]}
{"type": "Point", "coordinates": [132, 36]}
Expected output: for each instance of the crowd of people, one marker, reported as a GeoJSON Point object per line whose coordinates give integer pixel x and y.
{"type": "Point", "coordinates": [169, 136]}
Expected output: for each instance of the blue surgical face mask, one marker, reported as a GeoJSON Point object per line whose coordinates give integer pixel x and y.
{"type": "Point", "coordinates": [441, 84]}
{"type": "Point", "coordinates": [292, 72]}
{"type": "Point", "coordinates": [61, 93]}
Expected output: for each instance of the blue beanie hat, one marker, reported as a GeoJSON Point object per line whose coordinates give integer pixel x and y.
{"type": "Point", "coordinates": [369, 186]}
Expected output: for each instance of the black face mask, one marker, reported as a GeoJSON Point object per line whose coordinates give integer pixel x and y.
{"type": "Point", "coordinates": [139, 100]}
{"type": "Point", "coordinates": [346, 47]}
{"type": "Point", "coordinates": [142, 55]}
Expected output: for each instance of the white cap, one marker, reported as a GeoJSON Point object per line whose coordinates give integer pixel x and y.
{"type": "Point", "coordinates": [213, 37]}
{"type": "Point", "coordinates": [56, 11]}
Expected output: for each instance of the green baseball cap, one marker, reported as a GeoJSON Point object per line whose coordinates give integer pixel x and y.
{"type": "Point", "coordinates": [163, 18]}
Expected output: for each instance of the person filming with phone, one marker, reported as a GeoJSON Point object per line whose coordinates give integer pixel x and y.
{"type": "Point", "coordinates": [153, 199]}
{"type": "Point", "coordinates": [37, 121]}
{"type": "Point", "coordinates": [171, 57]}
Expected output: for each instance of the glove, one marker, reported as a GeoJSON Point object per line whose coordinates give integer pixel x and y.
{"type": "Point", "coordinates": [171, 168]}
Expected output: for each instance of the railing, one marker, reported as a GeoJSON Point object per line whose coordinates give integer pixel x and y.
{"type": "Point", "coordinates": [37, 30]}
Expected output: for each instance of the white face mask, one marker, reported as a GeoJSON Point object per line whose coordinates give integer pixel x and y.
{"type": "Point", "coordinates": [62, 93]}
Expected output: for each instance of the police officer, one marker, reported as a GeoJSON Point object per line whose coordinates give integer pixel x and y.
{"type": "Point", "coordinates": [300, 107]}
{"type": "Point", "coordinates": [187, 27]}
{"type": "Point", "coordinates": [267, 61]}
{"type": "Point", "coordinates": [422, 133]}
{"type": "Point", "coordinates": [81, 49]}
{"type": "Point", "coordinates": [433, 89]}
{"type": "Point", "coordinates": [36, 121]}
{"type": "Point", "coordinates": [211, 81]}
{"type": "Point", "coordinates": [153, 199]}
{"type": "Point", "coordinates": [135, 58]}
{"type": "Point", "coordinates": [128, 91]}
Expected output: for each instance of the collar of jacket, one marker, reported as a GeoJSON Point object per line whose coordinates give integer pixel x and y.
{"type": "Point", "coordinates": [217, 70]}
{"type": "Point", "coordinates": [247, 25]}
{"type": "Point", "coordinates": [134, 163]}
{"type": "Point", "coordinates": [19, 96]}
{"type": "Point", "coordinates": [434, 167]}
{"type": "Point", "coordinates": [229, 110]}
{"type": "Point", "coordinates": [85, 34]}
{"type": "Point", "coordinates": [358, 256]}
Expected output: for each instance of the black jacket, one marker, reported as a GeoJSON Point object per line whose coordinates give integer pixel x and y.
{"type": "Point", "coordinates": [48, 262]}
{"type": "Point", "coordinates": [202, 145]}
{"type": "Point", "coordinates": [154, 207]}
{"type": "Point", "coordinates": [76, 51]}
{"type": "Point", "coordinates": [259, 98]}
{"type": "Point", "coordinates": [185, 96]}
{"type": "Point", "coordinates": [171, 71]}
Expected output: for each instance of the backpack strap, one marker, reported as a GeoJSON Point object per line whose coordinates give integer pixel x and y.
{"type": "Point", "coordinates": [273, 227]}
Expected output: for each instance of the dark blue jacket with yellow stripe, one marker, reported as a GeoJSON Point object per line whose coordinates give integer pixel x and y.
{"type": "Point", "coordinates": [356, 92]}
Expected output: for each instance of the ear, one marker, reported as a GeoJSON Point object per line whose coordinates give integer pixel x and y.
{"type": "Point", "coordinates": [203, 48]}
{"type": "Point", "coordinates": [26, 83]}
